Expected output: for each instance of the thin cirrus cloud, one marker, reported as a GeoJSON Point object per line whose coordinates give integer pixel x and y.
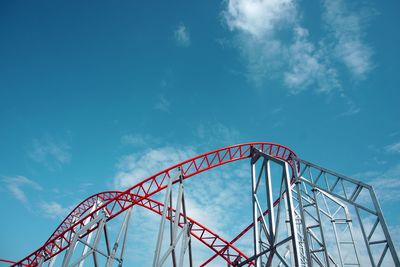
{"type": "Point", "coordinates": [138, 140]}
{"type": "Point", "coordinates": [262, 27]}
{"type": "Point", "coordinates": [393, 148]}
{"type": "Point", "coordinates": [163, 104]}
{"type": "Point", "coordinates": [49, 152]}
{"type": "Point", "coordinates": [53, 209]}
{"type": "Point", "coordinates": [182, 36]}
{"type": "Point", "coordinates": [216, 133]}
{"type": "Point", "coordinates": [346, 28]}
{"type": "Point", "coordinates": [385, 183]}
{"type": "Point", "coordinates": [16, 185]}
{"type": "Point", "coordinates": [135, 167]}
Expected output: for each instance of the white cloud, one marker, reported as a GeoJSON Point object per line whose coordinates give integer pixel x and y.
{"type": "Point", "coordinates": [347, 30]}
{"type": "Point", "coordinates": [258, 17]}
{"type": "Point", "coordinates": [306, 67]}
{"type": "Point", "coordinates": [276, 46]}
{"type": "Point", "coordinates": [385, 183]}
{"type": "Point", "coordinates": [352, 108]}
{"type": "Point", "coordinates": [217, 134]}
{"type": "Point", "coordinates": [393, 148]}
{"type": "Point", "coordinates": [212, 197]}
{"type": "Point", "coordinates": [138, 140]}
{"type": "Point", "coordinates": [16, 183]}
{"type": "Point", "coordinates": [53, 209]}
{"type": "Point", "coordinates": [49, 152]}
{"type": "Point", "coordinates": [135, 167]}
{"type": "Point", "coordinates": [182, 36]}
{"type": "Point", "coordinates": [163, 104]}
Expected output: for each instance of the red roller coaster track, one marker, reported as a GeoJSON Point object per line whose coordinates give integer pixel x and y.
{"type": "Point", "coordinates": [115, 202]}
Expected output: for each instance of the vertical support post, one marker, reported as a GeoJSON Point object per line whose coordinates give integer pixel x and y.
{"type": "Point", "coordinates": [162, 223]}
{"type": "Point", "coordinates": [122, 232]}
{"type": "Point", "coordinates": [317, 209]}
{"type": "Point", "coordinates": [301, 209]}
{"type": "Point", "coordinates": [256, 234]}
{"type": "Point", "coordinates": [100, 220]}
{"type": "Point", "coordinates": [176, 236]}
{"type": "Point", "coordinates": [88, 239]}
{"type": "Point", "coordinates": [385, 230]}
{"type": "Point", "coordinates": [270, 205]}
{"type": "Point", "coordinates": [292, 218]}
{"type": "Point", "coordinates": [121, 256]}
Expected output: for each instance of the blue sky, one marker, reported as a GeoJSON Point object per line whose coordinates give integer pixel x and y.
{"type": "Point", "coordinates": [91, 91]}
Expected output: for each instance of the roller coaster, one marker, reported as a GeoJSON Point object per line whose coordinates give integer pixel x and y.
{"type": "Point", "coordinates": [302, 215]}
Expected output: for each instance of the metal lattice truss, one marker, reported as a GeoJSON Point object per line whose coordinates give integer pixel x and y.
{"type": "Point", "coordinates": [303, 215]}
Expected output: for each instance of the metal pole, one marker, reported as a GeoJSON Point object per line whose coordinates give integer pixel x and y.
{"type": "Point", "coordinates": [302, 215]}
{"type": "Point", "coordinates": [161, 229]}
{"type": "Point", "coordinates": [256, 234]}
{"type": "Point", "coordinates": [384, 227]}
{"type": "Point", "coordinates": [292, 218]}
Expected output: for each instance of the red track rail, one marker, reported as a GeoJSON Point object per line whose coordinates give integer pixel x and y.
{"type": "Point", "coordinates": [216, 243]}
{"type": "Point", "coordinates": [242, 233]}
{"type": "Point", "coordinates": [61, 238]}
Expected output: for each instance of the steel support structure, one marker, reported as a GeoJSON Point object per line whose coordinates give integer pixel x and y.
{"type": "Point", "coordinates": [302, 215]}
{"type": "Point", "coordinates": [270, 246]}
{"type": "Point", "coordinates": [90, 243]}
{"type": "Point", "coordinates": [356, 204]}
{"type": "Point", "coordinates": [177, 220]}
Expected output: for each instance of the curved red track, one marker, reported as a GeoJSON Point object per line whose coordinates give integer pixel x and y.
{"type": "Point", "coordinates": [116, 204]}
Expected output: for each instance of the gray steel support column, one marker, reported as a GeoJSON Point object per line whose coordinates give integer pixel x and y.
{"type": "Point", "coordinates": [256, 234]}
{"type": "Point", "coordinates": [176, 235]}
{"type": "Point", "coordinates": [122, 232]}
{"type": "Point", "coordinates": [302, 215]}
{"type": "Point", "coordinates": [162, 223]}
{"type": "Point", "coordinates": [365, 238]}
{"type": "Point", "coordinates": [98, 220]}
{"type": "Point", "coordinates": [347, 190]}
{"type": "Point", "coordinates": [270, 205]}
{"type": "Point", "coordinates": [384, 227]}
{"type": "Point", "coordinates": [89, 237]}
{"type": "Point", "coordinates": [292, 218]}
{"type": "Point", "coordinates": [317, 209]}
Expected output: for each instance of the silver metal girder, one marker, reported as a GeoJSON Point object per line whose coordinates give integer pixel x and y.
{"type": "Point", "coordinates": [176, 223]}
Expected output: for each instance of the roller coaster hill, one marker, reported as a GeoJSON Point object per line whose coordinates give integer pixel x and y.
{"type": "Point", "coordinates": [302, 214]}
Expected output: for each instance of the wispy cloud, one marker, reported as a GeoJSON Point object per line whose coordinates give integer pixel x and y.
{"type": "Point", "coordinates": [346, 27]}
{"type": "Point", "coordinates": [15, 185]}
{"type": "Point", "coordinates": [393, 148]}
{"type": "Point", "coordinates": [135, 167]}
{"type": "Point", "coordinates": [139, 140]}
{"type": "Point", "coordinates": [53, 209]}
{"type": "Point", "coordinates": [386, 183]}
{"type": "Point", "coordinates": [352, 108]}
{"type": "Point", "coordinates": [215, 194]}
{"type": "Point", "coordinates": [49, 152]}
{"type": "Point", "coordinates": [182, 36]}
{"type": "Point", "coordinates": [308, 66]}
{"type": "Point", "coordinates": [162, 104]}
{"type": "Point", "coordinates": [275, 44]}
{"type": "Point", "coordinates": [217, 134]}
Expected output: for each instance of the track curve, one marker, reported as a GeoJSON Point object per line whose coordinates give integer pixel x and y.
{"type": "Point", "coordinates": [84, 212]}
